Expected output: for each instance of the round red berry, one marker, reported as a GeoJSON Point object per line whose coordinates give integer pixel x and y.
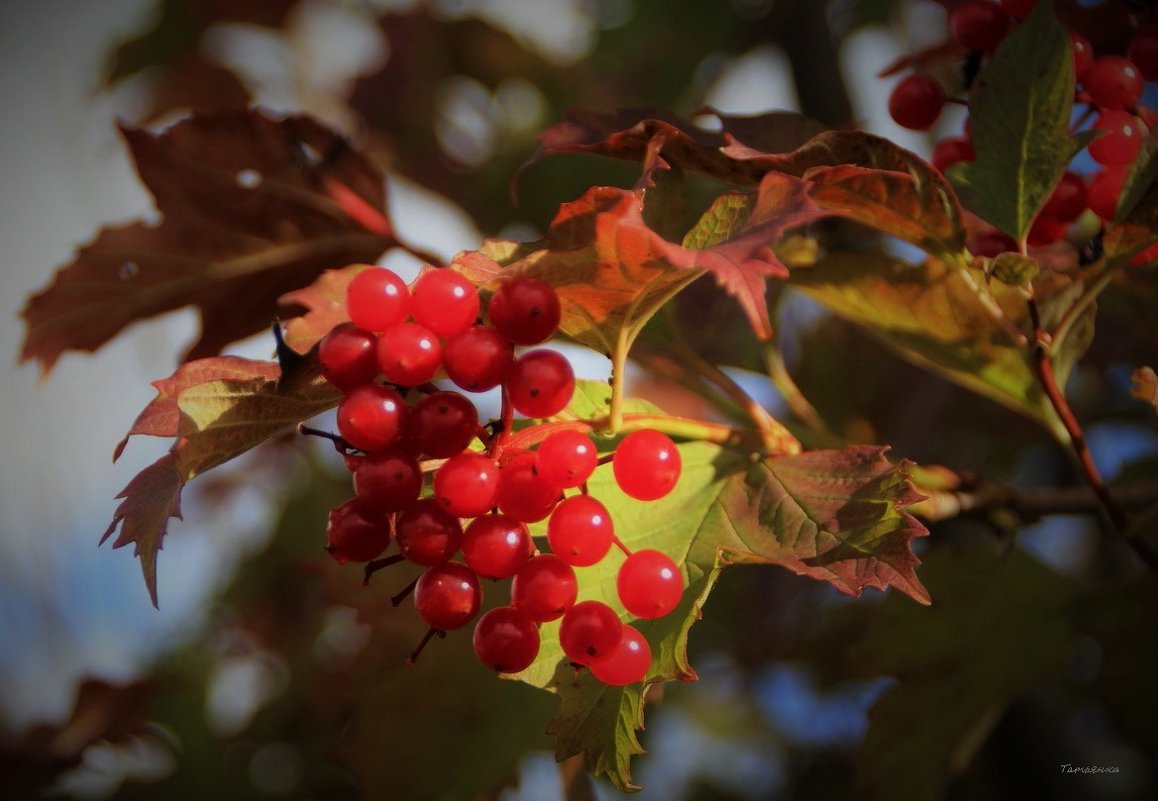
{"type": "Point", "coordinates": [952, 151]}
{"type": "Point", "coordinates": [646, 465]}
{"type": "Point", "coordinates": [978, 25]}
{"type": "Point", "coordinates": [355, 533]}
{"type": "Point", "coordinates": [1105, 190]}
{"type": "Point", "coordinates": [650, 584]}
{"type": "Point", "coordinates": [525, 310]}
{"type": "Point", "coordinates": [506, 639]}
{"type": "Point", "coordinates": [346, 356]}
{"type": "Point", "coordinates": [541, 383]}
{"type": "Point", "coordinates": [580, 531]}
{"type": "Point", "coordinates": [377, 299]}
{"type": "Point", "coordinates": [426, 534]}
{"type": "Point", "coordinates": [496, 546]}
{"type": "Point", "coordinates": [545, 588]}
{"type": "Point", "coordinates": [589, 631]}
{"type": "Point", "coordinates": [523, 493]}
{"type": "Point", "coordinates": [409, 354]}
{"type": "Point", "coordinates": [916, 102]}
{"type": "Point", "coordinates": [1068, 199]}
{"type": "Point", "coordinates": [442, 424]}
{"type": "Point", "coordinates": [1113, 82]}
{"type": "Point", "coordinates": [626, 663]}
{"type": "Point", "coordinates": [467, 485]}
{"type": "Point", "coordinates": [371, 417]}
{"type": "Point", "coordinates": [1121, 138]}
{"type": "Point", "coordinates": [388, 480]}
{"type": "Point", "coordinates": [447, 596]}
{"type": "Point", "coordinates": [444, 301]}
{"type": "Point", "coordinates": [1083, 54]}
{"type": "Point", "coordinates": [478, 359]}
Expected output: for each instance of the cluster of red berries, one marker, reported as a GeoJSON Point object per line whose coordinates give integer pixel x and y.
{"type": "Point", "coordinates": [398, 340]}
{"type": "Point", "coordinates": [1109, 87]}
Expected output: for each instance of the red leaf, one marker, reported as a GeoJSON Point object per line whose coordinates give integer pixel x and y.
{"type": "Point", "coordinates": [245, 216]}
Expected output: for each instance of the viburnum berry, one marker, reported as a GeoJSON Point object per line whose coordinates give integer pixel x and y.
{"type": "Point", "coordinates": [356, 533]}
{"type": "Point", "coordinates": [1105, 190]}
{"type": "Point", "coordinates": [1045, 231]}
{"type": "Point", "coordinates": [441, 425]}
{"type": "Point", "coordinates": [388, 480]}
{"type": "Point", "coordinates": [589, 631]}
{"type": "Point", "coordinates": [978, 25]}
{"type": "Point", "coordinates": [408, 354]}
{"type": "Point", "coordinates": [916, 102]}
{"type": "Point", "coordinates": [447, 596]}
{"type": "Point", "coordinates": [646, 465]}
{"type": "Point", "coordinates": [1113, 82]}
{"type": "Point", "coordinates": [496, 546]}
{"type": "Point", "coordinates": [371, 417]}
{"type": "Point", "coordinates": [525, 310]}
{"type": "Point", "coordinates": [467, 485]}
{"type": "Point", "coordinates": [444, 302]}
{"type": "Point", "coordinates": [427, 534]}
{"type": "Point", "coordinates": [650, 584]}
{"type": "Point", "coordinates": [566, 459]}
{"type": "Point", "coordinates": [1143, 51]}
{"type": "Point", "coordinates": [1083, 54]}
{"type": "Point", "coordinates": [506, 639]}
{"type": "Point", "coordinates": [478, 359]}
{"type": "Point", "coordinates": [1068, 199]}
{"type": "Point", "coordinates": [541, 383]}
{"type": "Point", "coordinates": [377, 299]}
{"type": "Point", "coordinates": [347, 356]}
{"type": "Point", "coordinates": [580, 531]}
{"type": "Point", "coordinates": [545, 588]}
{"type": "Point", "coordinates": [952, 151]}
{"type": "Point", "coordinates": [1121, 139]}
{"type": "Point", "coordinates": [523, 493]}
{"type": "Point", "coordinates": [627, 662]}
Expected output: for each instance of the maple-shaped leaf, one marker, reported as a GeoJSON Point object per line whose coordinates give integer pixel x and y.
{"type": "Point", "coordinates": [216, 409]}
{"type": "Point", "coordinates": [323, 306]}
{"type": "Point", "coordinates": [836, 516]}
{"type": "Point", "coordinates": [251, 206]}
{"type": "Point", "coordinates": [612, 272]}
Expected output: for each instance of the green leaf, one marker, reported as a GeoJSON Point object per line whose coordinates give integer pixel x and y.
{"type": "Point", "coordinates": [836, 516]}
{"type": "Point", "coordinates": [1020, 111]}
{"type": "Point", "coordinates": [1140, 179]}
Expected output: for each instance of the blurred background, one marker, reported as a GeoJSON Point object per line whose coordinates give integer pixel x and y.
{"type": "Point", "coordinates": [250, 668]}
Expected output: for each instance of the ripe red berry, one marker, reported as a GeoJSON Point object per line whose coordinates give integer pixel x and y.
{"type": "Point", "coordinates": [409, 354]}
{"type": "Point", "coordinates": [441, 425]}
{"type": "Point", "coordinates": [388, 480]}
{"type": "Point", "coordinates": [952, 151]}
{"type": "Point", "coordinates": [626, 663]}
{"type": "Point", "coordinates": [496, 546]}
{"type": "Point", "coordinates": [525, 310]}
{"type": "Point", "coordinates": [1018, 9]}
{"type": "Point", "coordinates": [444, 301]}
{"type": "Point", "coordinates": [541, 383]}
{"type": "Point", "coordinates": [523, 493]}
{"type": "Point", "coordinates": [1105, 190]}
{"type": "Point", "coordinates": [646, 465]}
{"type": "Point", "coordinates": [426, 534]}
{"type": "Point", "coordinates": [377, 299]}
{"type": "Point", "coordinates": [1121, 139]}
{"type": "Point", "coordinates": [506, 639]}
{"type": "Point", "coordinates": [916, 102]}
{"type": "Point", "coordinates": [545, 588]}
{"type": "Point", "coordinates": [447, 596]}
{"type": "Point", "coordinates": [1083, 54]}
{"type": "Point", "coordinates": [371, 417]}
{"type": "Point", "coordinates": [355, 533]}
{"type": "Point", "coordinates": [1113, 82]}
{"type": "Point", "coordinates": [990, 243]}
{"type": "Point", "coordinates": [1068, 199]}
{"type": "Point", "coordinates": [567, 459]}
{"type": "Point", "coordinates": [580, 531]}
{"type": "Point", "coordinates": [1143, 51]}
{"type": "Point", "coordinates": [1045, 231]}
{"type": "Point", "coordinates": [589, 631]}
{"type": "Point", "coordinates": [978, 25]}
{"type": "Point", "coordinates": [478, 359]}
{"type": "Point", "coordinates": [467, 485]}
{"type": "Point", "coordinates": [650, 584]}
{"type": "Point", "coordinates": [346, 356]}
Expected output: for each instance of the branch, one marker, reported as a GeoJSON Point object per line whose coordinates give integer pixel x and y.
{"type": "Point", "coordinates": [1028, 504]}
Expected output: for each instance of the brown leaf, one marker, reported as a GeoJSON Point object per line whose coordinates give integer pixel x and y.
{"type": "Point", "coordinates": [1145, 385]}
{"type": "Point", "coordinates": [244, 218]}
{"type": "Point", "coordinates": [324, 304]}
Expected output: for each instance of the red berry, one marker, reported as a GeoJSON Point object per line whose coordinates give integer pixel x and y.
{"type": "Point", "coordinates": [951, 151]}
{"type": "Point", "coordinates": [506, 639]}
{"type": "Point", "coordinates": [1143, 51]}
{"type": "Point", "coordinates": [444, 301]}
{"type": "Point", "coordinates": [646, 465]}
{"type": "Point", "coordinates": [525, 310]}
{"type": "Point", "coordinates": [355, 533]}
{"type": "Point", "coordinates": [627, 662]}
{"type": "Point", "coordinates": [478, 359]}
{"type": "Point", "coordinates": [496, 546]}
{"type": "Point", "coordinates": [650, 584]}
{"type": "Point", "coordinates": [1045, 231]}
{"type": "Point", "coordinates": [409, 354]}
{"type": "Point", "coordinates": [426, 534]}
{"type": "Point", "coordinates": [346, 356]}
{"type": "Point", "coordinates": [1113, 82]}
{"type": "Point", "coordinates": [589, 631]}
{"type": "Point", "coordinates": [447, 596]}
{"type": "Point", "coordinates": [467, 485]}
{"type": "Point", "coordinates": [388, 480]}
{"type": "Point", "coordinates": [371, 417]}
{"type": "Point", "coordinates": [1121, 140]}
{"type": "Point", "coordinates": [442, 424]}
{"type": "Point", "coordinates": [377, 299]}
{"type": "Point", "coordinates": [978, 25]}
{"type": "Point", "coordinates": [991, 243]}
{"type": "Point", "coordinates": [1105, 190]}
{"type": "Point", "coordinates": [541, 383]}
{"type": "Point", "coordinates": [916, 102]}
{"type": "Point", "coordinates": [1018, 9]}
{"type": "Point", "coordinates": [523, 493]}
{"type": "Point", "coordinates": [545, 587]}
{"type": "Point", "coordinates": [567, 459]}
{"type": "Point", "coordinates": [1068, 199]}
{"type": "Point", "coordinates": [580, 531]}
{"type": "Point", "coordinates": [1083, 54]}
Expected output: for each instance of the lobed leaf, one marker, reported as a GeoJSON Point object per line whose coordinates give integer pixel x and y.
{"type": "Point", "coordinates": [243, 217]}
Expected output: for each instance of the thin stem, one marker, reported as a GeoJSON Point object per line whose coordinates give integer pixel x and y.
{"type": "Point", "coordinates": [375, 565]}
{"type": "Point", "coordinates": [797, 402]}
{"type": "Point", "coordinates": [502, 427]}
{"type": "Point", "coordinates": [400, 596]}
{"type": "Point", "coordinates": [1088, 296]}
{"type": "Point", "coordinates": [430, 634]}
{"type": "Point", "coordinates": [618, 368]}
